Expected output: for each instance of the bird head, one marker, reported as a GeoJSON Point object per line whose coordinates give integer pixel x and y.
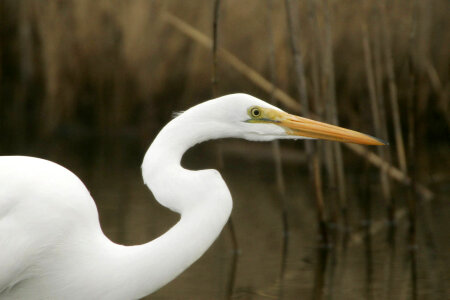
{"type": "Point", "coordinates": [242, 115]}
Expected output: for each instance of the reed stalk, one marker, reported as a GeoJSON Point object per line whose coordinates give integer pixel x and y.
{"type": "Point", "coordinates": [319, 199]}
{"type": "Point", "coordinates": [281, 187]}
{"type": "Point", "coordinates": [214, 47]}
{"type": "Point", "coordinates": [415, 59]}
{"type": "Point", "coordinates": [412, 118]}
{"type": "Point", "coordinates": [319, 88]}
{"type": "Point", "coordinates": [300, 83]}
{"type": "Point", "coordinates": [380, 113]}
{"type": "Point", "coordinates": [392, 85]}
{"type": "Point", "coordinates": [317, 100]}
{"type": "Point", "coordinates": [317, 107]}
{"type": "Point", "coordinates": [412, 153]}
{"type": "Point", "coordinates": [214, 80]}
{"type": "Point", "coordinates": [331, 111]}
{"type": "Point", "coordinates": [230, 225]}
{"type": "Point", "coordinates": [313, 164]}
{"type": "Point", "coordinates": [376, 115]}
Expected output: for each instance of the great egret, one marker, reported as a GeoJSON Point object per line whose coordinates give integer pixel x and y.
{"type": "Point", "coordinates": [51, 242]}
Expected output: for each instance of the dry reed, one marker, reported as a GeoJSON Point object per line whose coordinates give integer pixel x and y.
{"type": "Point", "coordinates": [376, 117]}
{"type": "Point", "coordinates": [280, 182]}
{"type": "Point", "coordinates": [108, 64]}
{"type": "Point", "coordinates": [220, 160]}
{"type": "Point", "coordinates": [331, 112]}
{"type": "Point", "coordinates": [313, 159]}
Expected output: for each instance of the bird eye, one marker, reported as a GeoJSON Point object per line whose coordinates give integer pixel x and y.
{"type": "Point", "coordinates": [255, 112]}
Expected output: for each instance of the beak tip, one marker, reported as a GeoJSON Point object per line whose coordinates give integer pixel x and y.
{"type": "Point", "coordinates": [380, 141]}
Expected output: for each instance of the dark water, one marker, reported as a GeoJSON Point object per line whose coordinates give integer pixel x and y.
{"type": "Point", "coordinates": [379, 265]}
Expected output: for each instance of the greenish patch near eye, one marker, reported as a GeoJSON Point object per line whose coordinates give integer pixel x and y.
{"type": "Point", "coordinates": [258, 115]}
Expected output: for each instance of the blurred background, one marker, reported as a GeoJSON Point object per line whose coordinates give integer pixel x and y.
{"type": "Point", "coordinates": [88, 84]}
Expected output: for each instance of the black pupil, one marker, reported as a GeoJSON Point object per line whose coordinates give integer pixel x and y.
{"type": "Point", "coordinates": [256, 112]}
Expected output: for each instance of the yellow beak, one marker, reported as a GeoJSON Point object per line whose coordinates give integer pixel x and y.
{"type": "Point", "coordinates": [295, 125]}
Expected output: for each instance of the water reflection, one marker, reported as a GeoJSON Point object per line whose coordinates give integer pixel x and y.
{"type": "Point", "coordinates": [272, 263]}
{"type": "Point", "coordinates": [319, 273]}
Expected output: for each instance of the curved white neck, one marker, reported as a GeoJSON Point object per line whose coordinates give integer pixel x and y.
{"type": "Point", "coordinates": [150, 266]}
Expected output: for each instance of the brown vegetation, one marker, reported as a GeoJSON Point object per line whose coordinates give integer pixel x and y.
{"type": "Point", "coordinates": [105, 65]}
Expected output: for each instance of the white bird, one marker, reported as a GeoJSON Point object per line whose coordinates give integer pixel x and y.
{"type": "Point", "coordinates": [51, 242]}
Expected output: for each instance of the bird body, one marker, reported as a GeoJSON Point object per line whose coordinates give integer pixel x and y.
{"type": "Point", "coordinates": [58, 250]}
{"type": "Point", "coordinates": [46, 214]}
{"type": "Point", "coordinates": [52, 244]}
